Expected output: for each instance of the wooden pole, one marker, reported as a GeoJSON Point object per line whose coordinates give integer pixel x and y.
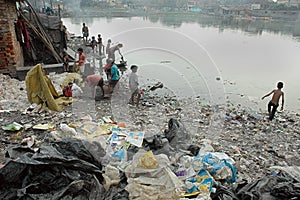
{"type": "Point", "coordinates": [43, 32]}
{"type": "Point", "coordinates": [47, 43]}
{"type": "Point", "coordinates": [59, 12]}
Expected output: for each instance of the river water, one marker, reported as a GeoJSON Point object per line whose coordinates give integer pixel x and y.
{"type": "Point", "coordinates": [216, 59]}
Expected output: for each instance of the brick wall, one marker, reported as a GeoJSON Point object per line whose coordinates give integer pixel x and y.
{"type": "Point", "coordinates": [11, 55]}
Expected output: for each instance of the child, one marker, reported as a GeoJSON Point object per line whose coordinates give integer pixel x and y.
{"type": "Point", "coordinates": [67, 59]}
{"type": "Point", "coordinates": [108, 46]}
{"type": "Point", "coordinates": [81, 60]}
{"type": "Point", "coordinates": [274, 103]}
{"type": "Point", "coordinates": [107, 68]}
{"type": "Point", "coordinates": [85, 33]}
{"type": "Point", "coordinates": [93, 43]}
{"type": "Point", "coordinates": [67, 90]}
{"type": "Point", "coordinates": [100, 44]}
{"type": "Point", "coordinates": [66, 62]}
{"type": "Point", "coordinates": [114, 79]}
{"type": "Point", "coordinates": [134, 85]}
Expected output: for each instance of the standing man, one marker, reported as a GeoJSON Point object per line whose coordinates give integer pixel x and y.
{"type": "Point", "coordinates": [81, 61]}
{"type": "Point", "coordinates": [85, 32]}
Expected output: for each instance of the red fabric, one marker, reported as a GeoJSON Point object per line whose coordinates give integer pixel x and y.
{"type": "Point", "coordinates": [81, 60]}
{"type": "Point", "coordinates": [107, 70]}
{"type": "Point", "coordinates": [25, 33]}
{"type": "Point", "coordinates": [67, 91]}
{"type": "Point", "coordinates": [108, 66]}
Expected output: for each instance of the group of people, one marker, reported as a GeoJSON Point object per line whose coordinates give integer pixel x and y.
{"type": "Point", "coordinates": [109, 50]}
{"type": "Point", "coordinates": [111, 69]}
{"type": "Point", "coordinates": [113, 74]}
{"type": "Point", "coordinates": [79, 64]}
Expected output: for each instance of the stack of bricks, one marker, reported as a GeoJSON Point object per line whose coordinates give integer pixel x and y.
{"type": "Point", "coordinates": [10, 50]}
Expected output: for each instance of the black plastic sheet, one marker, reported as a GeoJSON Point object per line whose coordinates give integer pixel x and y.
{"type": "Point", "coordinates": [178, 136]}
{"type": "Point", "coordinates": [67, 169]}
{"type": "Point", "coordinates": [281, 186]}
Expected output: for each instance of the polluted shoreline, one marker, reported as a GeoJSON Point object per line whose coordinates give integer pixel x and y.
{"type": "Point", "coordinates": [167, 148]}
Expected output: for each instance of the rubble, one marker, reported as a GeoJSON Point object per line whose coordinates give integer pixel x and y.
{"type": "Point", "coordinates": [13, 94]}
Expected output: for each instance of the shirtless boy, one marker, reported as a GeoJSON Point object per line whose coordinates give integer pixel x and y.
{"type": "Point", "coordinates": [274, 103]}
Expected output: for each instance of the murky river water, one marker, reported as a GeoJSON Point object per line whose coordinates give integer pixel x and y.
{"type": "Point", "coordinates": [216, 59]}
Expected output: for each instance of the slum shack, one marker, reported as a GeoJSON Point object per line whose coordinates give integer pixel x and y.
{"type": "Point", "coordinates": [28, 37]}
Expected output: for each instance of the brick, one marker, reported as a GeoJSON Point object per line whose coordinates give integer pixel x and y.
{"type": "Point", "coordinates": [8, 38]}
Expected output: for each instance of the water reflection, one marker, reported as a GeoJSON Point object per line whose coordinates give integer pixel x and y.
{"type": "Point", "coordinates": [87, 20]}
{"type": "Point", "coordinates": [251, 26]}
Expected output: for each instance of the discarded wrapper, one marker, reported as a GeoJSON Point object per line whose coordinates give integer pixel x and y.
{"type": "Point", "coordinates": [12, 127]}
{"type": "Point", "coordinates": [44, 126]}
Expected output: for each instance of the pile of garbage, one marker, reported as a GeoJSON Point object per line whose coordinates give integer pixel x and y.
{"type": "Point", "coordinates": [168, 148]}
{"type": "Point", "coordinates": [84, 162]}
{"type": "Point", "coordinates": [103, 160]}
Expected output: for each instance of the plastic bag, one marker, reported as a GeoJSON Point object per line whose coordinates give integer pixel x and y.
{"type": "Point", "coordinates": [215, 167]}
{"type": "Point", "coordinates": [111, 176]}
{"type": "Point", "coordinates": [164, 185]}
{"type": "Point", "coordinates": [202, 183]}
{"type": "Point", "coordinates": [133, 170]}
{"type": "Point", "coordinates": [66, 129]}
{"type": "Point", "coordinates": [148, 161]}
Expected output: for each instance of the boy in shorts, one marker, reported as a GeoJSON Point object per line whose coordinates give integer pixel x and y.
{"type": "Point", "coordinates": [274, 103]}
{"type": "Point", "coordinates": [114, 71]}
{"type": "Point", "coordinates": [85, 32]}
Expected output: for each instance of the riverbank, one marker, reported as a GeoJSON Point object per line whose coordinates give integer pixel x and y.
{"type": "Point", "coordinates": [247, 136]}
{"type": "Point", "coordinates": [255, 144]}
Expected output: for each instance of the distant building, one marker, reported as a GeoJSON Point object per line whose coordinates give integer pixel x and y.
{"type": "Point", "coordinates": [260, 4]}
{"type": "Point", "coordinates": [233, 10]}
{"type": "Point", "coordinates": [283, 1]}
{"type": "Point", "coordinates": [204, 6]}
{"type": "Point", "coordinates": [255, 6]}
{"type": "Point", "coordinates": [295, 3]}
{"type": "Point", "coordinates": [192, 5]}
{"type": "Point", "coordinates": [289, 2]}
